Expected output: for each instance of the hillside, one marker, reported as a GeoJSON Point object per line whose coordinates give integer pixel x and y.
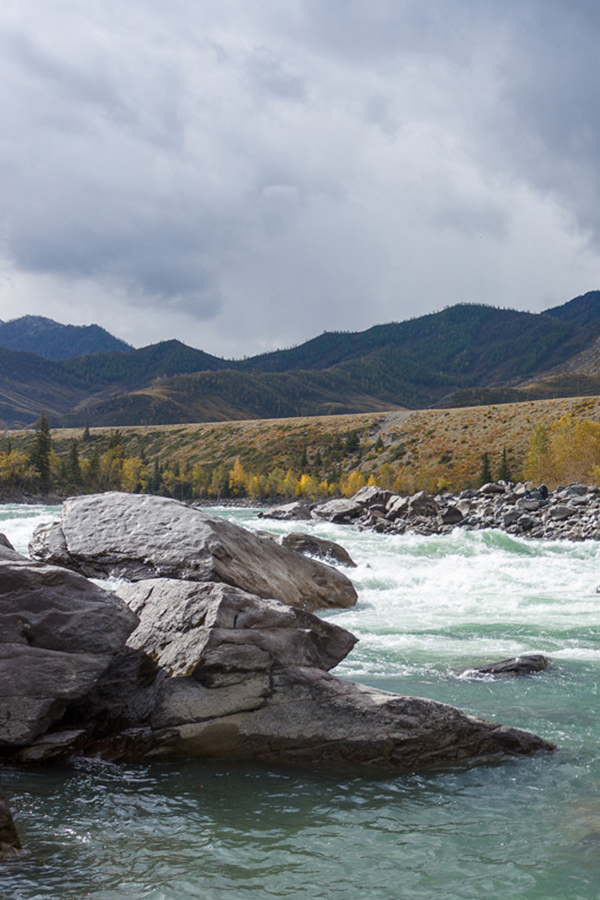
{"type": "Point", "coordinates": [464, 354]}
{"type": "Point", "coordinates": [418, 450]}
{"type": "Point", "coordinates": [51, 340]}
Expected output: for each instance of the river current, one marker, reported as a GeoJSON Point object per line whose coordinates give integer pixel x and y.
{"type": "Point", "coordinates": [429, 608]}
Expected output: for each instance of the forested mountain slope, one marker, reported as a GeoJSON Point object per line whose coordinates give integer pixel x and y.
{"type": "Point", "coordinates": [447, 357]}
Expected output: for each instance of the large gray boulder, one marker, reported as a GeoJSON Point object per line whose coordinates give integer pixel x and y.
{"type": "Point", "coordinates": [209, 671]}
{"type": "Point", "coordinates": [141, 536]}
{"type": "Point", "coordinates": [58, 634]}
{"type": "Point", "coordinates": [370, 496]}
{"type": "Point", "coordinates": [246, 678]}
{"type": "Point", "coordinates": [338, 511]}
{"type": "Point", "coordinates": [312, 717]}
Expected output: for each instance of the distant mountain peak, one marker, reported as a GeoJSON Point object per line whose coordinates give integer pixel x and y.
{"type": "Point", "coordinates": [52, 340]}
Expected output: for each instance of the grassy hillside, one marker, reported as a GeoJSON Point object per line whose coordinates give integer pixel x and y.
{"type": "Point", "coordinates": [407, 451]}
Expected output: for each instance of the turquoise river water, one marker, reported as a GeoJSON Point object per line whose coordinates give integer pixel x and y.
{"type": "Point", "coordinates": [428, 609]}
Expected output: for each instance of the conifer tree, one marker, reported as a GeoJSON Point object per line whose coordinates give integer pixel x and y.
{"type": "Point", "coordinates": [485, 473]}
{"type": "Point", "coordinates": [40, 452]}
{"type": "Point", "coordinates": [504, 473]}
{"type": "Point", "coordinates": [93, 475]}
{"type": "Point", "coordinates": [73, 464]}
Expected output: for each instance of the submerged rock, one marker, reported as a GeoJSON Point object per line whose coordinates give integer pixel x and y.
{"type": "Point", "coordinates": [141, 536]}
{"type": "Point", "coordinates": [519, 665]}
{"type": "Point", "coordinates": [310, 545]}
{"type": "Point", "coordinates": [9, 838]}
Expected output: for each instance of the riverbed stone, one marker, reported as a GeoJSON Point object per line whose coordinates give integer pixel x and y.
{"type": "Point", "coordinates": [142, 536]}
{"type": "Point", "coordinates": [370, 495]}
{"type": "Point", "coordinates": [561, 512]}
{"type": "Point", "coordinates": [451, 515]}
{"type": "Point", "coordinates": [492, 487]}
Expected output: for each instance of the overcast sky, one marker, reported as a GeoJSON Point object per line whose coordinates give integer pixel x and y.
{"type": "Point", "coordinates": [245, 175]}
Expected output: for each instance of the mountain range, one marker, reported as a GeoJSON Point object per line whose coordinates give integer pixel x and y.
{"type": "Point", "coordinates": [466, 354]}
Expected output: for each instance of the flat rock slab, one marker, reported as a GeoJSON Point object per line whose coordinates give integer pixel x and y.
{"type": "Point", "coordinates": [141, 536]}
{"type": "Point", "coordinates": [310, 717]}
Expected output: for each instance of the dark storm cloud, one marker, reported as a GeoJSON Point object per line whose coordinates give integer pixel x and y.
{"type": "Point", "coordinates": [250, 174]}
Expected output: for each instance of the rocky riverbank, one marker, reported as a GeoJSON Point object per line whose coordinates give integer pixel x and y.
{"type": "Point", "coordinates": [567, 513]}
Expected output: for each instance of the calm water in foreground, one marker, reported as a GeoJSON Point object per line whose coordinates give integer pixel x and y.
{"type": "Point", "coordinates": [428, 608]}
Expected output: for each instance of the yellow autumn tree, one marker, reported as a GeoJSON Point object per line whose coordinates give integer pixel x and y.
{"type": "Point", "coordinates": [567, 450]}
{"type": "Point", "coordinates": [352, 483]}
{"type": "Point", "coordinates": [237, 478]}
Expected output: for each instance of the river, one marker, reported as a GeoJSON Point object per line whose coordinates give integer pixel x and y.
{"type": "Point", "coordinates": [429, 608]}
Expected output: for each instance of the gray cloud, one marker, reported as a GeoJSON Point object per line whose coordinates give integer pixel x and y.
{"type": "Point", "coordinates": [244, 176]}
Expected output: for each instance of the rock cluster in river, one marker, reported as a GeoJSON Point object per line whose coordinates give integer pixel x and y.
{"type": "Point", "coordinates": [571, 512]}
{"type": "Point", "coordinates": [170, 667]}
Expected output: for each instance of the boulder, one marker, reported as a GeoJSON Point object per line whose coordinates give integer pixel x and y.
{"type": "Point", "coordinates": [338, 511]}
{"type": "Point", "coordinates": [247, 679]}
{"type": "Point", "coordinates": [370, 495]}
{"type": "Point", "coordinates": [397, 508]}
{"type": "Point", "coordinates": [58, 633]}
{"type": "Point", "coordinates": [286, 512]}
{"type": "Point", "coordinates": [492, 488]}
{"type": "Point", "coordinates": [525, 522]}
{"type": "Point", "coordinates": [9, 839]}
{"type": "Point", "coordinates": [138, 536]}
{"type": "Point", "coordinates": [310, 545]}
{"type": "Point", "coordinates": [451, 515]}
{"type": "Point", "coordinates": [511, 517]}
{"type": "Point", "coordinates": [422, 504]}
{"type": "Point", "coordinates": [307, 716]}
{"type": "Point", "coordinates": [576, 489]}
{"type": "Point", "coordinates": [213, 671]}
{"type": "Point", "coordinates": [519, 665]}
{"type": "Point", "coordinates": [561, 512]}
{"type": "Point", "coordinates": [218, 633]}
